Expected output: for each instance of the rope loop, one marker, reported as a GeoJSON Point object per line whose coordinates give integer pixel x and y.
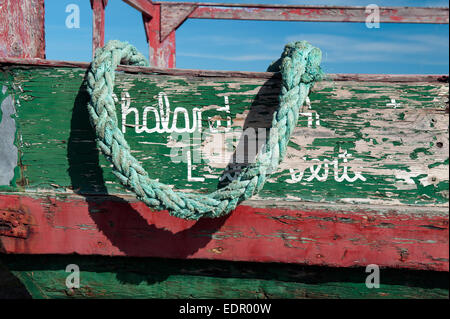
{"type": "Point", "coordinates": [299, 66]}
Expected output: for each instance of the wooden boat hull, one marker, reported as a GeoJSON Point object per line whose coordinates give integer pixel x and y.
{"type": "Point", "coordinates": [44, 276]}
{"type": "Point", "coordinates": [391, 209]}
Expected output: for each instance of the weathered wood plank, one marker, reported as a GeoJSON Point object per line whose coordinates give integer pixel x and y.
{"type": "Point", "coordinates": [332, 235]}
{"type": "Point", "coordinates": [98, 24]}
{"type": "Point", "coordinates": [161, 50]}
{"type": "Point", "coordinates": [22, 33]}
{"type": "Point", "coordinates": [317, 13]}
{"type": "Point", "coordinates": [103, 277]}
{"type": "Point", "coordinates": [399, 157]}
{"type": "Point", "coordinates": [173, 16]}
{"type": "Point", "coordinates": [141, 5]}
{"type": "Point", "coordinates": [433, 78]}
{"type": "Point", "coordinates": [395, 152]}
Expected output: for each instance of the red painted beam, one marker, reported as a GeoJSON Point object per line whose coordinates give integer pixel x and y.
{"type": "Point", "coordinates": [144, 6]}
{"type": "Point", "coordinates": [22, 33]}
{"type": "Point", "coordinates": [319, 13]}
{"type": "Point", "coordinates": [311, 234]}
{"type": "Point", "coordinates": [161, 51]}
{"type": "Point", "coordinates": [98, 24]}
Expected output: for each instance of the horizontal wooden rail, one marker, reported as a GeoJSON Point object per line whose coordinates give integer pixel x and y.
{"type": "Point", "coordinates": [318, 13]}
{"type": "Point", "coordinates": [228, 74]}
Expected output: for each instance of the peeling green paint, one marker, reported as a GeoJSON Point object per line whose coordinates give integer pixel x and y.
{"type": "Point", "coordinates": [414, 154]}
{"type": "Point", "coordinates": [106, 277]}
{"type": "Point", "coordinates": [391, 147]}
{"type": "Point", "coordinates": [438, 163]}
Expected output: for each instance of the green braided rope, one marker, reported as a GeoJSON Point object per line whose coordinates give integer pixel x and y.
{"type": "Point", "coordinates": [300, 68]}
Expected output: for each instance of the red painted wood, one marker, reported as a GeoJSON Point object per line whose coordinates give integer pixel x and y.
{"type": "Point", "coordinates": [98, 24]}
{"type": "Point", "coordinates": [22, 33]}
{"type": "Point", "coordinates": [337, 237]}
{"type": "Point", "coordinates": [262, 5]}
{"type": "Point", "coordinates": [318, 13]}
{"type": "Point", "coordinates": [161, 51]}
{"type": "Point", "coordinates": [144, 6]}
{"type": "Point", "coordinates": [172, 16]}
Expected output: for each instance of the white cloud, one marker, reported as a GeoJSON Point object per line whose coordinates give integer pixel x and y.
{"type": "Point", "coordinates": [391, 47]}
{"type": "Point", "coordinates": [337, 48]}
{"type": "Point", "coordinates": [240, 58]}
{"type": "Point", "coordinates": [434, 40]}
{"type": "Point", "coordinates": [322, 40]}
{"type": "Point", "coordinates": [223, 40]}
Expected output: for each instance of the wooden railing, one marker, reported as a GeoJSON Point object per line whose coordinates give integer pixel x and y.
{"type": "Point", "coordinates": [161, 19]}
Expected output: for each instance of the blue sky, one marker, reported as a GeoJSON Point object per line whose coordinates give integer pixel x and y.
{"type": "Point", "coordinates": [252, 45]}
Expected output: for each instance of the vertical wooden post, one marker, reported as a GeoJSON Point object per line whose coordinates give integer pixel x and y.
{"type": "Point", "coordinates": [98, 24]}
{"type": "Point", "coordinates": [22, 32]}
{"type": "Point", "coordinates": [161, 53]}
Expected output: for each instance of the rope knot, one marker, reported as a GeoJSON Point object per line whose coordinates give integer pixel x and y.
{"type": "Point", "coordinates": [300, 50]}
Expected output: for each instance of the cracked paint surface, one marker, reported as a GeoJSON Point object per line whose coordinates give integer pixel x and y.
{"type": "Point", "coordinates": [8, 150]}
{"type": "Point", "coordinates": [399, 149]}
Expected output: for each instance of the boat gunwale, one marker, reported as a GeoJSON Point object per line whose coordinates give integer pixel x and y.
{"type": "Point", "coordinates": [360, 77]}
